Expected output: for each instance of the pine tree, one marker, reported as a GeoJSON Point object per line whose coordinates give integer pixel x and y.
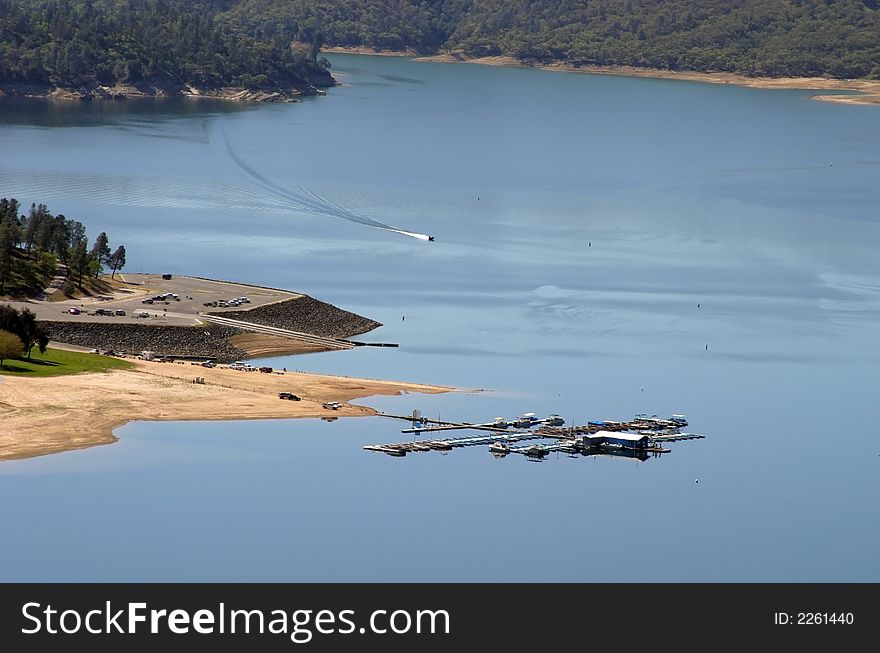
{"type": "Point", "coordinates": [9, 236]}
{"type": "Point", "coordinates": [100, 252]}
{"type": "Point", "coordinates": [117, 260]}
{"type": "Point", "coordinates": [79, 260]}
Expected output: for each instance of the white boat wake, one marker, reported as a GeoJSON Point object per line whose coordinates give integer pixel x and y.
{"type": "Point", "coordinates": [307, 200]}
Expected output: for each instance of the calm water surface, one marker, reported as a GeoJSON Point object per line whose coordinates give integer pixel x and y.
{"type": "Point", "coordinates": [579, 221]}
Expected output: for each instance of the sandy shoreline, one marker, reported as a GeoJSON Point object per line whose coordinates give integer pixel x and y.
{"type": "Point", "coordinates": [868, 90]}
{"type": "Point", "coordinates": [50, 415]}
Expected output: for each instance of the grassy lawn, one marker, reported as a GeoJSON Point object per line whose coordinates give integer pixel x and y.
{"type": "Point", "coordinates": [56, 362]}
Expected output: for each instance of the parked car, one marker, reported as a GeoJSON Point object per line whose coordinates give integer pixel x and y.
{"type": "Point", "coordinates": [147, 301]}
{"type": "Point", "coordinates": [288, 395]}
{"type": "Point", "coordinates": [103, 311]}
{"type": "Point", "coordinates": [208, 364]}
{"type": "Point", "coordinates": [244, 300]}
{"type": "Point", "coordinates": [331, 405]}
{"type": "Point", "coordinates": [267, 370]}
{"type": "Point", "coordinates": [73, 310]}
{"type": "Point", "coordinates": [119, 311]}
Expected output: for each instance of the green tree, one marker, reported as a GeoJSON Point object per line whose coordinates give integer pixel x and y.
{"type": "Point", "coordinates": [117, 260]}
{"type": "Point", "coordinates": [10, 346]}
{"type": "Point", "coordinates": [61, 240]}
{"type": "Point", "coordinates": [10, 234]}
{"type": "Point", "coordinates": [31, 332]}
{"type": "Point", "coordinates": [79, 261]}
{"type": "Point", "coordinates": [75, 233]}
{"type": "Point", "coordinates": [100, 252]}
{"type": "Point", "coordinates": [34, 223]}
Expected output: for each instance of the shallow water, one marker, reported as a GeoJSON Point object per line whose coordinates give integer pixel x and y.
{"type": "Point", "coordinates": [579, 221]}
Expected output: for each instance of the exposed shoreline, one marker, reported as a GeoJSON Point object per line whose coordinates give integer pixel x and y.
{"type": "Point", "coordinates": [48, 415]}
{"type": "Point", "coordinates": [868, 90]}
{"type": "Point", "coordinates": [159, 91]}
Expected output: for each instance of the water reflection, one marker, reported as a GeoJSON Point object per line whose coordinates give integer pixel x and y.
{"type": "Point", "coordinates": [149, 112]}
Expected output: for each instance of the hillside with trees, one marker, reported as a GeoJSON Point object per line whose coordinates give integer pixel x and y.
{"type": "Point", "coordinates": [177, 46]}
{"type": "Point", "coordinates": [33, 245]}
{"type": "Point", "coordinates": [155, 46]}
{"type": "Point", "coordinates": [752, 37]}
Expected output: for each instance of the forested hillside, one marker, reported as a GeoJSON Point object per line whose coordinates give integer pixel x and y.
{"type": "Point", "coordinates": [275, 43]}
{"type": "Point", "coordinates": [839, 38]}
{"type": "Point", "coordinates": [74, 43]}
{"type": "Point", "coordinates": [32, 246]}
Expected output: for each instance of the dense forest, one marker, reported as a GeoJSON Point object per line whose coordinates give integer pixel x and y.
{"type": "Point", "coordinates": [839, 38]}
{"type": "Point", "coordinates": [275, 43]}
{"type": "Point", "coordinates": [32, 246]}
{"type": "Point", "coordinates": [75, 43]}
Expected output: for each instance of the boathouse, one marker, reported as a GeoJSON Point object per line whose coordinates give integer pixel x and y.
{"type": "Point", "coordinates": [618, 439]}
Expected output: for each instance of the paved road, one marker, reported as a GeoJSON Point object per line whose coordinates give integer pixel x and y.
{"type": "Point", "coordinates": [333, 343]}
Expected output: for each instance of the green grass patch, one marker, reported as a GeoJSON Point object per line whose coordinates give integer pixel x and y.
{"type": "Point", "coordinates": [56, 362]}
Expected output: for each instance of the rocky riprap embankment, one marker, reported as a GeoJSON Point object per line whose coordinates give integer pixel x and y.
{"type": "Point", "coordinates": [306, 315]}
{"type": "Point", "coordinates": [209, 341]}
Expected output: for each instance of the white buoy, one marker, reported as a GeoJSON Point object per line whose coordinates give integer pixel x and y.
{"type": "Point", "coordinates": [696, 480]}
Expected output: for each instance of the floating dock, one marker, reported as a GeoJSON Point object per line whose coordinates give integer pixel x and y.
{"type": "Point", "coordinates": [641, 437]}
{"type": "Point", "coordinates": [403, 448]}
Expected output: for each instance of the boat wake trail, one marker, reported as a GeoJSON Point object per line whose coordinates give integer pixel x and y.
{"type": "Point", "coordinates": [306, 200]}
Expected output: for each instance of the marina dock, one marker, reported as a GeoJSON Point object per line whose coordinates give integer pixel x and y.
{"type": "Point", "coordinates": [641, 437]}
{"type": "Point", "coordinates": [403, 448]}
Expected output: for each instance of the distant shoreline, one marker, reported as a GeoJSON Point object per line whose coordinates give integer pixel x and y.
{"type": "Point", "coordinates": [868, 90]}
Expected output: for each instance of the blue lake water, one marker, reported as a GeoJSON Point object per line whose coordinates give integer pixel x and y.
{"type": "Point", "coordinates": [579, 221]}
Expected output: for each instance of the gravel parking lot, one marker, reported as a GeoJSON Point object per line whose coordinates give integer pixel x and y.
{"type": "Point", "coordinates": [149, 298]}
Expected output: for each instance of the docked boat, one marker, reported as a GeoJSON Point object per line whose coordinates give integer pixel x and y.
{"type": "Point", "coordinates": [499, 447]}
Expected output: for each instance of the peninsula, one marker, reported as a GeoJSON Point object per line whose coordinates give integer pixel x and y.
{"type": "Point", "coordinates": [168, 338]}
{"type": "Point", "coordinates": [61, 413]}
{"type": "Point", "coordinates": [196, 318]}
